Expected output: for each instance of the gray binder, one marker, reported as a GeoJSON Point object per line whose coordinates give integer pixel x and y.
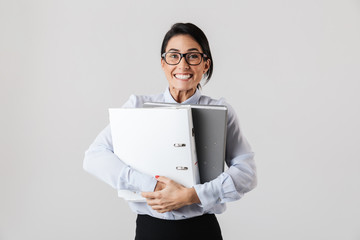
{"type": "Point", "coordinates": [210, 126]}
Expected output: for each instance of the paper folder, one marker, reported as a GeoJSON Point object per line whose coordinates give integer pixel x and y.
{"type": "Point", "coordinates": [157, 141]}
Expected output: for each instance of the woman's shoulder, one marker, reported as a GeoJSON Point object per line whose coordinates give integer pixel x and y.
{"type": "Point", "coordinates": [206, 100]}
{"type": "Point", "coordinates": [136, 101]}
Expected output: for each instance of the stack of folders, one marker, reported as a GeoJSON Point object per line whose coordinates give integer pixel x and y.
{"type": "Point", "coordinates": [162, 139]}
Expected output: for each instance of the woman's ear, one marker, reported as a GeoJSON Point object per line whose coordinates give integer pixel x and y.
{"type": "Point", "coordinates": [162, 63]}
{"type": "Point", "coordinates": [207, 66]}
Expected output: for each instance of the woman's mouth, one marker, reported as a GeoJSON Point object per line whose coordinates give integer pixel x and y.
{"type": "Point", "coordinates": [183, 76]}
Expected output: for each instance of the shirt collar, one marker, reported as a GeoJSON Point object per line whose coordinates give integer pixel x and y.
{"type": "Point", "coordinates": [194, 99]}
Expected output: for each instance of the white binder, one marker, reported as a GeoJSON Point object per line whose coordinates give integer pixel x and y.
{"type": "Point", "coordinates": [155, 141]}
{"type": "Point", "coordinates": [210, 124]}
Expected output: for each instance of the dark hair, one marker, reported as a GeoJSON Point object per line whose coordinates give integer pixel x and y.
{"type": "Point", "coordinates": [199, 37]}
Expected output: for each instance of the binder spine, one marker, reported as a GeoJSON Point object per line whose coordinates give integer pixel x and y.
{"type": "Point", "coordinates": [195, 166]}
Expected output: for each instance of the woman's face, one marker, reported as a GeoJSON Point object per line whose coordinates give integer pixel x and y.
{"type": "Point", "coordinates": [184, 77]}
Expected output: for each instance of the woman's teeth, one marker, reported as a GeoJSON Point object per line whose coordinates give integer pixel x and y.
{"type": "Point", "coordinates": [182, 76]}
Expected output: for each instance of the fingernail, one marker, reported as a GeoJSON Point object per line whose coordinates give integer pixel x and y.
{"type": "Point", "coordinates": [156, 176]}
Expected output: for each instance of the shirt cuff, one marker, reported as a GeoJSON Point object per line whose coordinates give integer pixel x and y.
{"type": "Point", "coordinates": [219, 190]}
{"type": "Point", "coordinates": [133, 180]}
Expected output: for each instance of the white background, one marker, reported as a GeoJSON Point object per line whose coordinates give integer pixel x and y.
{"type": "Point", "coordinates": [291, 70]}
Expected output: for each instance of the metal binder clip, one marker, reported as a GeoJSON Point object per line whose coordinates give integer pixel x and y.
{"type": "Point", "coordinates": [181, 168]}
{"type": "Point", "coordinates": [179, 144]}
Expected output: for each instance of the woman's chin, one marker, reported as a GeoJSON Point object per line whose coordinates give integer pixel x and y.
{"type": "Point", "coordinates": [183, 85]}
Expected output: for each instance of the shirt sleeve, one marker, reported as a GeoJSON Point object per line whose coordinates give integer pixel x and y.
{"type": "Point", "coordinates": [239, 178]}
{"type": "Point", "coordinates": [101, 162]}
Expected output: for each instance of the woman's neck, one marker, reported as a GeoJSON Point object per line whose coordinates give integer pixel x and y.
{"type": "Point", "coordinates": [181, 96]}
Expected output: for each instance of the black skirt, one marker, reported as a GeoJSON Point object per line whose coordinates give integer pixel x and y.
{"type": "Point", "coordinates": [197, 228]}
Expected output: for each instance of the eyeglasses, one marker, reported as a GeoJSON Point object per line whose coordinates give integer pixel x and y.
{"type": "Point", "coordinates": [192, 58]}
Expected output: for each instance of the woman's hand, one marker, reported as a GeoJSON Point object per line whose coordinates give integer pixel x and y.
{"type": "Point", "coordinates": [170, 195]}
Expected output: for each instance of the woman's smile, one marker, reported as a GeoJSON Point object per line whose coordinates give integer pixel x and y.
{"type": "Point", "coordinates": [183, 76]}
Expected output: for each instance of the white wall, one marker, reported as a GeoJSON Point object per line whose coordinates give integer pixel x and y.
{"type": "Point", "coordinates": [291, 69]}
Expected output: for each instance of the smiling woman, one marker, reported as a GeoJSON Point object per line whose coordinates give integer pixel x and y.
{"type": "Point", "coordinates": [173, 211]}
{"type": "Point", "coordinates": [184, 65]}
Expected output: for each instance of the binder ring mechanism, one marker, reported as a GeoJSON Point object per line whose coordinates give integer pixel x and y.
{"type": "Point", "coordinates": [179, 145]}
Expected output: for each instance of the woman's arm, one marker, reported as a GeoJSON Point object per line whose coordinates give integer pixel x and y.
{"type": "Point", "coordinates": [101, 162]}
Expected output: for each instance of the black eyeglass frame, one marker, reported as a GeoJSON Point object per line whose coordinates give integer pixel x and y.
{"type": "Point", "coordinates": [203, 56]}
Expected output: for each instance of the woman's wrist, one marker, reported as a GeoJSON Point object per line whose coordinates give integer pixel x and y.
{"type": "Point", "coordinates": [192, 196]}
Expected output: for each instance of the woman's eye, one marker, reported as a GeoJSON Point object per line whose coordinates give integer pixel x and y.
{"type": "Point", "coordinates": [194, 56]}
{"type": "Point", "coordinates": [175, 56]}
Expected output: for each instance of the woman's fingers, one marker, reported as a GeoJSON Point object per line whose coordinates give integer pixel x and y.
{"type": "Point", "coordinates": [172, 196]}
{"type": "Point", "coordinates": [163, 179]}
{"type": "Point", "coordinates": [151, 195]}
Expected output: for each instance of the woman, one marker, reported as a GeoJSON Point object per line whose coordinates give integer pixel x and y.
{"type": "Point", "coordinates": [173, 211]}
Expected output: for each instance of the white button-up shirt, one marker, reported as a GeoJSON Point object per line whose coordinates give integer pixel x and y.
{"type": "Point", "coordinates": [239, 178]}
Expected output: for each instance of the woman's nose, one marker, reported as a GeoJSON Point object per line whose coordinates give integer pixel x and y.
{"type": "Point", "coordinates": [183, 63]}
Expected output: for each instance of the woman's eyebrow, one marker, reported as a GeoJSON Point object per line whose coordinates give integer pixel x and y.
{"type": "Point", "coordinates": [193, 49]}
{"type": "Point", "coordinates": [177, 50]}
